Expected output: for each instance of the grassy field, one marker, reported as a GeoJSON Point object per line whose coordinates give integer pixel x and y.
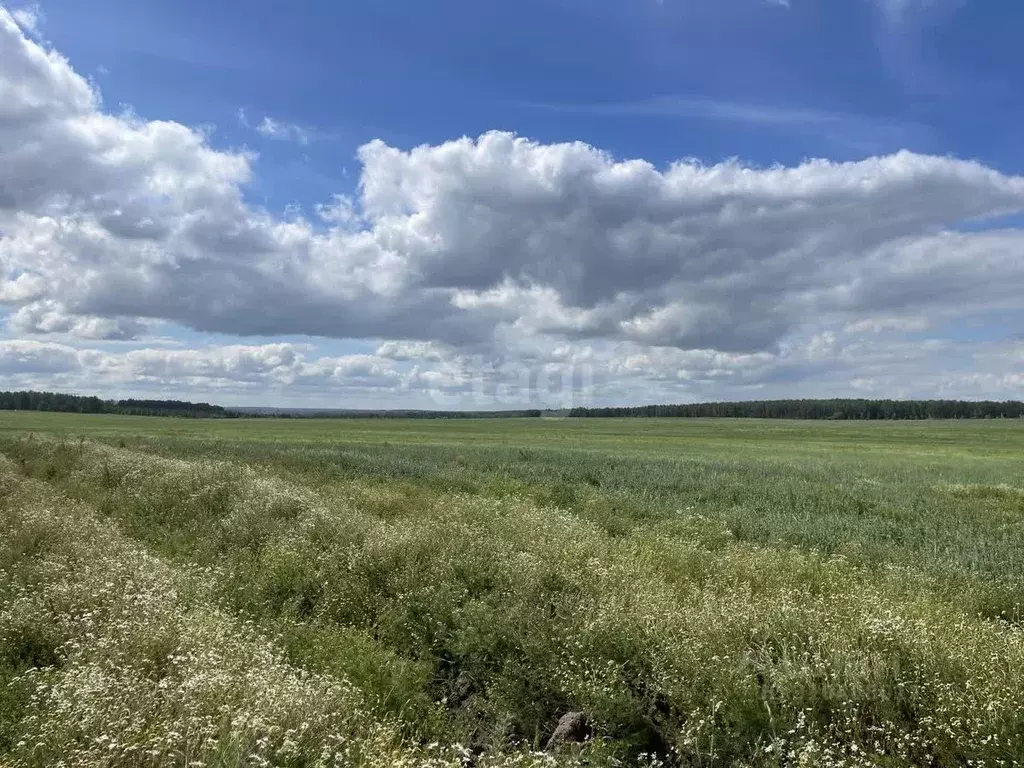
{"type": "Point", "coordinates": [707, 593]}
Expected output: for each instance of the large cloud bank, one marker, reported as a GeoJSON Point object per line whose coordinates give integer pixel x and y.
{"type": "Point", "coordinates": [496, 246]}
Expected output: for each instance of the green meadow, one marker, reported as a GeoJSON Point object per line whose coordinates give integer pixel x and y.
{"type": "Point", "coordinates": [440, 593]}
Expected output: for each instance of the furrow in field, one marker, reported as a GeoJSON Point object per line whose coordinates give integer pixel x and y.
{"type": "Point", "coordinates": [110, 656]}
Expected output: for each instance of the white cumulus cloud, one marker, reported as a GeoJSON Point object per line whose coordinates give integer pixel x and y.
{"type": "Point", "coordinates": [495, 246]}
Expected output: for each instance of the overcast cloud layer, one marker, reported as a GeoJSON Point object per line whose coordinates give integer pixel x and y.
{"type": "Point", "coordinates": [495, 260]}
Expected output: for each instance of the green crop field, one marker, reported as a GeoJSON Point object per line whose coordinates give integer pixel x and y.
{"type": "Point", "coordinates": [441, 593]}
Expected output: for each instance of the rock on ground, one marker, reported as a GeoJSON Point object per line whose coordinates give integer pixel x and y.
{"type": "Point", "coordinates": [571, 728]}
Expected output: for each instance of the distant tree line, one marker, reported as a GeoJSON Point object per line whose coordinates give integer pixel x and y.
{"type": "Point", "coordinates": [755, 409]}
{"type": "Point", "coordinates": [172, 408]}
{"type": "Point", "coordinates": [821, 409]}
{"type": "Point", "coordinates": [55, 401]}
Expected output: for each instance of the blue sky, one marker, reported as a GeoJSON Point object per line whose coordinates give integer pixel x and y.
{"type": "Point", "coordinates": [739, 78]}
{"type": "Point", "coordinates": [297, 90]}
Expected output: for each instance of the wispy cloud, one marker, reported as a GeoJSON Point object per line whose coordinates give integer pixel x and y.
{"type": "Point", "coordinates": [275, 129]}
{"type": "Point", "coordinates": [272, 128]}
{"type": "Point", "coordinates": [859, 131]}
{"type": "Point", "coordinates": [893, 10]}
{"type": "Point", "coordinates": [903, 38]}
{"type": "Point", "coordinates": [899, 11]}
{"type": "Point", "coordinates": [29, 19]}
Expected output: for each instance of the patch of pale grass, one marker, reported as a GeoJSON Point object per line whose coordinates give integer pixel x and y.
{"type": "Point", "coordinates": [984, 490]}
